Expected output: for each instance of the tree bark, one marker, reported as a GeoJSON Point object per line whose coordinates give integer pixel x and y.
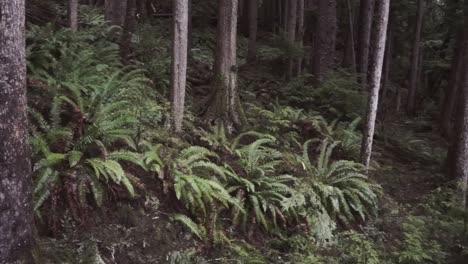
{"type": "Point", "coordinates": [300, 32]}
{"type": "Point", "coordinates": [115, 11]}
{"type": "Point", "coordinates": [365, 29]}
{"type": "Point", "coordinates": [16, 213]}
{"type": "Point", "coordinates": [350, 49]}
{"type": "Point", "coordinates": [179, 62]}
{"type": "Point", "coordinates": [128, 29]}
{"type": "Point", "coordinates": [73, 14]}
{"type": "Point", "coordinates": [453, 87]}
{"type": "Point", "coordinates": [224, 105]}
{"type": "Point", "coordinates": [460, 169]}
{"type": "Point", "coordinates": [413, 81]}
{"type": "Point", "coordinates": [383, 8]}
{"type": "Point", "coordinates": [387, 61]}
{"type": "Point", "coordinates": [253, 26]}
{"type": "Point", "coordinates": [291, 34]}
{"type": "Point", "coordinates": [325, 38]}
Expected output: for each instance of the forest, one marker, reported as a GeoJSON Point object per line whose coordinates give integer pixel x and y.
{"type": "Point", "coordinates": [234, 131]}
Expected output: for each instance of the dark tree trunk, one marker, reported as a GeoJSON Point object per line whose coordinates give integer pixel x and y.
{"type": "Point", "coordinates": [460, 169]}
{"type": "Point", "coordinates": [179, 62]}
{"type": "Point", "coordinates": [128, 29]}
{"type": "Point", "coordinates": [387, 61]}
{"type": "Point", "coordinates": [291, 34]}
{"type": "Point", "coordinates": [115, 11]}
{"type": "Point", "coordinates": [453, 88]}
{"type": "Point", "coordinates": [16, 213]}
{"type": "Point", "coordinates": [365, 29]}
{"type": "Point", "coordinates": [383, 8]}
{"type": "Point", "coordinates": [253, 25]}
{"type": "Point", "coordinates": [413, 81]}
{"type": "Point", "coordinates": [142, 10]}
{"type": "Point", "coordinates": [224, 105]}
{"type": "Point", "coordinates": [350, 49]}
{"type": "Point", "coordinates": [325, 37]}
{"type": "Point", "coordinates": [73, 14]}
{"type": "Point", "coordinates": [300, 32]}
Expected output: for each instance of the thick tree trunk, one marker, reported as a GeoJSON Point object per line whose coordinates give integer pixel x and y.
{"type": "Point", "coordinates": [16, 213]}
{"type": "Point", "coordinates": [325, 38]}
{"type": "Point", "coordinates": [179, 62]}
{"type": "Point", "coordinates": [253, 26]}
{"type": "Point", "coordinates": [383, 8]}
{"type": "Point", "coordinates": [413, 81]}
{"type": "Point", "coordinates": [300, 33]}
{"type": "Point", "coordinates": [225, 105]}
{"type": "Point", "coordinates": [365, 29]}
{"type": "Point", "coordinates": [128, 29]}
{"type": "Point", "coordinates": [460, 169]}
{"type": "Point", "coordinates": [350, 49]}
{"type": "Point", "coordinates": [115, 11]}
{"type": "Point", "coordinates": [73, 14]}
{"type": "Point", "coordinates": [291, 34]}
{"type": "Point", "coordinates": [453, 88]}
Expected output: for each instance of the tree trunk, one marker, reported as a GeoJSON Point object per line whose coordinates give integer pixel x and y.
{"type": "Point", "coordinates": [453, 88]}
{"type": "Point", "coordinates": [253, 25]}
{"type": "Point", "coordinates": [300, 33]}
{"type": "Point", "coordinates": [16, 213]}
{"type": "Point", "coordinates": [225, 105]}
{"type": "Point", "coordinates": [115, 11]}
{"type": "Point", "coordinates": [128, 29]}
{"type": "Point", "coordinates": [413, 81]}
{"type": "Point", "coordinates": [350, 49]}
{"type": "Point", "coordinates": [365, 29]}
{"type": "Point", "coordinates": [179, 62]}
{"type": "Point", "coordinates": [142, 10]}
{"type": "Point", "coordinates": [387, 61]}
{"type": "Point", "coordinates": [383, 8]}
{"type": "Point", "coordinates": [291, 34]}
{"type": "Point", "coordinates": [73, 14]}
{"type": "Point", "coordinates": [460, 169]}
{"type": "Point", "coordinates": [324, 46]}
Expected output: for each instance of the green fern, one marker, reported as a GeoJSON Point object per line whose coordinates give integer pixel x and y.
{"type": "Point", "coordinates": [340, 187]}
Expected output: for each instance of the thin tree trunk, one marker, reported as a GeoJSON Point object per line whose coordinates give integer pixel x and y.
{"type": "Point", "coordinates": [129, 28]}
{"type": "Point", "coordinates": [291, 34]}
{"type": "Point", "coordinates": [142, 9]}
{"type": "Point", "coordinates": [225, 105]}
{"type": "Point", "coordinates": [350, 49]}
{"type": "Point", "coordinates": [325, 38]}
{"type": "Point", "coordinates": [73, 14]}
{"type": "Point", "coordinates": [16, 213]}
{"type": "Point", "coordinates": [300, 33]}
{"type": "Point", "coordinates": [253, 25]}
{"type": "Point", "coordinates": [453, 87]}
{"type": "Point", "coordinates": [387, 62]}
{"type": "Point", "coordinates": [383, 8]}
{"type": "Point", "coordinates": [179, 62]}
{"type": "Point", "coordinates": [413, 81]}
{"type": "Point", "coordinates": [365, 29]}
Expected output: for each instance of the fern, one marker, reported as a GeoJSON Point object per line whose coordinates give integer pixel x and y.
{"type": "Point", "coordinates": [340, 187]}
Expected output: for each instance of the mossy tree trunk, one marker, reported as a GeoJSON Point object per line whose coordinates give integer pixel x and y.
{"type": "Point", "coordinates": [225, 104]}
{"type": "Point", "coordinates": [16, 213]}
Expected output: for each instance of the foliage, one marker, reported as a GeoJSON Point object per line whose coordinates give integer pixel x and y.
{"type": "Point", "coordinates": [258, 186]}
{"type": "Point", "coordinates": [358, 249]}
{"type": "Point", "coordinates": [197, 181]}
{"type": "Point", "coordinates": [338, 188]}
{"type": "Point", "coordinates": [417, 247]}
